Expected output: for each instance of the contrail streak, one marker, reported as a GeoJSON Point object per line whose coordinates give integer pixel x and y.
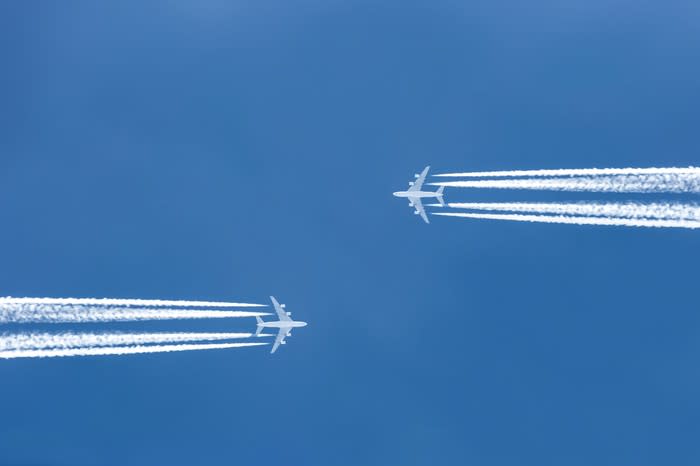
{"type": "Point", "coordinates": [663, 211]}
{"type": "Point", "coordinates": [578, 172]}
{"type": "Point", "coordinates": [31, 341]}
{"type": "Point", "coordinates": [32, 313]}
{"type": "Point", "coordinates": [121, 302]}
{"type": "Point", "coordinates": [579, 220]}
{"type": "Point", "coordinates": [118, 351]}
{"type": "Point", "coordinates": [652, 183]}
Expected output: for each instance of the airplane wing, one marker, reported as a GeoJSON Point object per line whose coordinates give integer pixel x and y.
{"type": "Point", "coordinates": [418, 184]}
{"type": "Point", "coordinates": [280, 339]}
{"type": "Point", "coordinates": [281, 313]}
{"type": "Point", "coordinates": [419, 208]}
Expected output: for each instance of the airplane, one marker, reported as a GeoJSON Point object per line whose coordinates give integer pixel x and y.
{"type": "Point", "coordinates": [285, 324]}
{"type": "Point", "coordinates": [414, 194]}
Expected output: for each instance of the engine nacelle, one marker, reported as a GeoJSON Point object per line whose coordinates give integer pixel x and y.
{"type": "Point", "coordinates": [411, 183]}
{"type": "Point", "coordinates": [416, 175]}
{"type": "Point", "coordinates": [284, 342]}
{"type": "Point", "coordinates": [289, 313]}
{"type": "Point", "coordinates": [283, 306]}
{"type": "Point", "coordinates": [416, 213]}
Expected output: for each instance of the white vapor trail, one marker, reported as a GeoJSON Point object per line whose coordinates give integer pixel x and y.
{"type": "Point", "coordinates": [27, 341]}
{"type": "Point", "coordinates": [664, 211]}
{"type": "Point", "coordinates": [117, 351]}
{"type": "Point", "coordinates": [627, 222]}
{"type": "Point", "coordinates": [121, 302]}
{"type": "Point", "coordinates": [33, 313]}
{"type": "Point", "coordinates": [649, 183]}
{"type": "Point", "coordinates": [578, 172]}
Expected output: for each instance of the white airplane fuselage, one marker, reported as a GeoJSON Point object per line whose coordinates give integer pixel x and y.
{"type": "Point", "coordinates": [416, 194]}
{"type": "Point", "coordinates": [283, 324]}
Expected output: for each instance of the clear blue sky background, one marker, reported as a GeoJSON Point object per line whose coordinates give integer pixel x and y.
{"type": "Point", "coordinates": [207, 150]}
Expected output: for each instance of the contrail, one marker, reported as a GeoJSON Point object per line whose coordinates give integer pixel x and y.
{"type": "Point", "coordinates": [118, 351]}
{"type": "Point", "coordinates": [652, 183]}
{"type": "Point", "coordinates": [579, 220]}
{"type": "Point", "coordinates": [32, 341]}
{"type": "Point", "coordinates": [663, 211]}
{"type": "Point", "coordinates": [121, 302]}
{"type": "Point", "coordinates": [33, 313]}
{"type": "Point", "coordinates": [578, 172]}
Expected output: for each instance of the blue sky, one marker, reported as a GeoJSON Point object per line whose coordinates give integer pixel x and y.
{"type": "Point", "coordinates": [210, 151]}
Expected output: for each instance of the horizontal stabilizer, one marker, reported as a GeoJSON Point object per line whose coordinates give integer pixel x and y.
{"type": "Point", "coordinates": [439, 196]}
{"type": "Point", "coordinates": [260, 327]}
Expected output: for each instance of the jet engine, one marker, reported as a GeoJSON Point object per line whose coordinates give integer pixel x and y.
{"type": "Point", "coordinates": [289, 313]}
{"type": "Point", "coordinates": [416, 175]}
{"type": "Point", "coordinates": [411, 183]}
{"type": "Point", "coordinates": [416, 213]}
{"type": "Point", "coordinates": [284, 342]}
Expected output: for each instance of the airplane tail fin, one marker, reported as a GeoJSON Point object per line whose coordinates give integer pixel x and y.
{"type": "Point", "coordinates": [439, 196]}
{"type": "Point", "coordinates": [259, 321]}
